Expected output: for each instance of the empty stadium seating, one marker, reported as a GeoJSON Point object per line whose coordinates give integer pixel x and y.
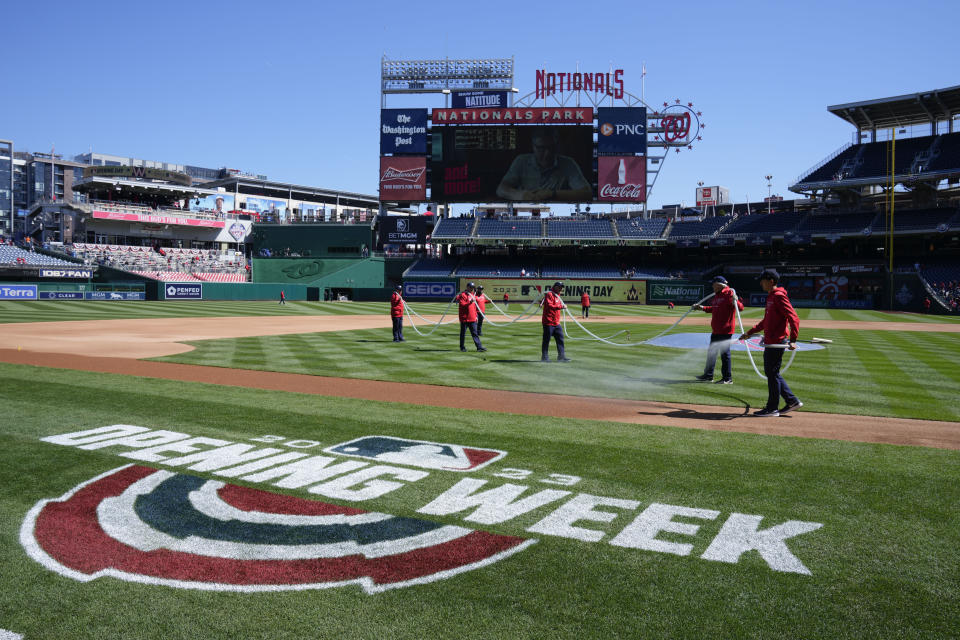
{"type": "Point", "coordinates": [432, 267]}
{"type": "Point", "coordinates": [773, 224]}
{"type": "Point", "coordinates": [561, 228]}
{"type": "Point", "coordinates": [702, 228]}
{"type": "Point", "coordinates": [641, 228]}
{"type": "Point", "coordinates": [175, 264]}
{"type": "Point", "coordinates": [14, 255]}
{"type": "Point", "coordinates": [916, 220]}
{"type": "Point", "coordinates": [586, 270]}
{"type": "Point", "coordinates": [830, 223]}
{"type": "Point", "coordinates": [453, 228]}
{"type": "Point", "coordinates": [509, 228]}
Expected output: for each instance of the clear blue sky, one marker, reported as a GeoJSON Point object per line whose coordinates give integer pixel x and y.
{"type": "Point", "coordinates": [291, 89]}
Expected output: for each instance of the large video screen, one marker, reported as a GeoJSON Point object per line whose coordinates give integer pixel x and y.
{"type": "Point", "coordinates": [513, 163]}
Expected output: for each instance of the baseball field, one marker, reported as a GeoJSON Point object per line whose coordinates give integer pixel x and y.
{"type": "Point", "coordinates": [251, 470]}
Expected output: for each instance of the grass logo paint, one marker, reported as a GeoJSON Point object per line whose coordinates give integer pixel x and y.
{"type": "Point", "coordinates": [418, 453]}
{"type": "Point", "coordinates": [142, 525]}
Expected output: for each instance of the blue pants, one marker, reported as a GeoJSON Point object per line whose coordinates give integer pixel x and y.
{"type": "Point", "coordinates": [776, 386]}
{"type": "Point", "coordinates": [473, 333]}
{"type": "Point", "coordinates": [723, 350]}
{"type": "Point", "coordinates": [479, 325]}
{"type": "Point", "coordinates": [556, 332]}
{"type": "Point", "coordinates": [397, 328]}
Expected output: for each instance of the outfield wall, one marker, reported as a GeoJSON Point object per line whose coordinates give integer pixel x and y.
{"type": "Point", "coordinates": [529, 289]}
{"type": "Point", "coordinates": [331, 273]}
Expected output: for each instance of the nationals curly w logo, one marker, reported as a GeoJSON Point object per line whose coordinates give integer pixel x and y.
{"type": "Point", "coordinates": [158, 527]}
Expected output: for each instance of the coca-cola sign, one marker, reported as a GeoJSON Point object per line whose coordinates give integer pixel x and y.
{"type": "Point", "coordinates": [403, 179]}
{"type": "Point", "coordinates": [621, 179]}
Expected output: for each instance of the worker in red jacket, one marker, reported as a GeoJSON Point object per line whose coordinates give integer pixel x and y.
{"type": "Point", "coordinates": [396, 313]}
{"type": "Point", "coordinates": [482, 301]}
{"type": "Point", "coordinates": [778, 315]}
{"type": "Point", "coordinates": [467, 311]}
{"type": "Point", "coordinates": [723, 322]}
{"type": "Point", "coordinates": [585, 305]}
{"type": "Point", "coordinates": [553, 308]}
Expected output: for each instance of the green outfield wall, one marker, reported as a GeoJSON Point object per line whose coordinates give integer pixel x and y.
{"type": "Point", "coordinates": [344, 273]}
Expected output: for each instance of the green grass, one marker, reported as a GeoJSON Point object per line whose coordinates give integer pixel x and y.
{"type": "Point", "coordinates": [883, 373]}
{"type": "Point", "coordinates": [884, 564]}
{"type": "Point", "coordinates": [63, 310]}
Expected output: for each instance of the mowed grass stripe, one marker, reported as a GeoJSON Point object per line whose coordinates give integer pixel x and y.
{"type": "Point", "coordinates": [939, 380]}
{"type": "Point", "coordinates": [906, 396]}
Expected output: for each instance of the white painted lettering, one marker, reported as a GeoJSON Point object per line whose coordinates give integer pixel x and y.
{"type": "Point", "coordinates": [147, 439]}
{"type": "Point", "coordinates": [223, 457]}
{"type": "Point", "coordinates": [341, 487]}
{"type": "Point", "coordinates": [87, 436]}
{"type": "Point", "coordinates": [263, 463]}
{"type": "Point", "coordinates": [641, 533]}
{"type": "Point", "coordinates": [581, 507]}
{"type": "Point", "coordinates": [305, 472]}
{"type": "Point", "coordinates": [493, 505]}
{"type": "Point", "coordinates": [189, 445]}
{"type": "Point", "coordinates": [740, 534]}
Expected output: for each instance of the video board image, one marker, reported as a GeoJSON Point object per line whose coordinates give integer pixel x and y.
{"type": "Point", "coordinates": [513, 163]}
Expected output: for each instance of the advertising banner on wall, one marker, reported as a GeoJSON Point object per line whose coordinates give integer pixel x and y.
{"type": "Point", "coordinates": [215, 203]}
{"type": "Point", "coordinates": [529, 289]}
{"type": "Point", "coordinates": [622, 130]}
{"type": "Point", "coordinates": [183, 291]}
{"type": "Point", "coordinates": [61, 295]}
{"type": "Point", "coordinates": [66, 273]}
{"type": "Point", "coordinates": [443, 290]}
{"type": "Point", "coordinates": [114, 295]}
{"type": "Point", "coordinates": [268, 209]}
{"type": "Point", "coordinates": [621, 179]}
{"type": "Point", "coordinates": [521, 115]}
{"type": "Point", "coordinates": [18, 292]}
{"type": "Point", "coordinates": [152, 219]}
{"type": "Point", "coordinates": [403, 179]}
{"type": "Point", "coordinates": [674, 292]}
{"type": "Point", "coordinates": [403, 131]}
{"type": "Point", "coordinates": [524, 164]}
{"type": "Point", "coordinates": [403, 229]}
{"type": "Point", "coordinates": [478, 99]}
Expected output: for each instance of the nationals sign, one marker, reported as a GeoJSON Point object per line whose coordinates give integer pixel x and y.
{"type": "Point", "coordinates": [524, 115]}
{"type": "Point", "coordinates": [403, 179]}
{"type": "Point", "coordinates": [621, 179]}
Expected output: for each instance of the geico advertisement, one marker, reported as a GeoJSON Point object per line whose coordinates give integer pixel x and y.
{"type": "Point", "coordinates": [527, 289]}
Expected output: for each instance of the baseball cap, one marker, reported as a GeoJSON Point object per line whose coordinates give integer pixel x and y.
{"type": "Point", "coordinates": [480, 288]}
{"type": "Point", "coordinates": [399, 287]}
{"type": "Point", "coordinates": [770, 274]}
{"type": "Point", "coordinates": [470, 285]}
{"type": "Point", "coordinates": [219, 198]}
{"type": "Point", "coordinates": [558, 284]}
{"type": "Point", "coordinates": [719, 279]}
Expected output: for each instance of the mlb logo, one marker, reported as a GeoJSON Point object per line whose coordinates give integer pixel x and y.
{"type": "Point", "coordinates": [418, 453]}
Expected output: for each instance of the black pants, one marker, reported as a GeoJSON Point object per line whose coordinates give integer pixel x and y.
{"type": "Point", "coordinates": [479, 325]}
{"type": "Point", "coordinates": [586, 311]}
{"type": "Point", "coordinates": [397, 328]}
{"type": "Point", "coordinates": [776, 386]}
{"type": "Point", "coordinates": [723, 350]}
{"type": "Point", "coordinates": [473, 333]}
{"type": "Point", "coordinates": [556, 332]}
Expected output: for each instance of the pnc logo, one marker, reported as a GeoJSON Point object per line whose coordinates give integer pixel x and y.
{"type": "Point", "coordinates": [607, 129]}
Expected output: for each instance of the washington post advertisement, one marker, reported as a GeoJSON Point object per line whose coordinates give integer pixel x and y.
{"type": "Point", "coordinates": [403, 131]}
{"type": "Point", "coordinates": [513, 163]}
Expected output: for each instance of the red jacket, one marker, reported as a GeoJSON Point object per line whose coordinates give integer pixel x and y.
{"type": "Point", "coordinates": [724, 320]}
{"type": "Point", "coordinates": [552, 305]}
{"type": "Point", "coordinates": [396, 305]}
{"type": "Point", "coordinates": [467, 309]}
{"type": "Point", "coordinates": [482, 301]}
{"type": "Point", "coordinates": [585, 299]}
{"type": "Point", "coordinates": [779, 313]}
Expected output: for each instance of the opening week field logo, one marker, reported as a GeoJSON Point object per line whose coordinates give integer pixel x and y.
{"type": "Point", "coordinates": [168, 527]}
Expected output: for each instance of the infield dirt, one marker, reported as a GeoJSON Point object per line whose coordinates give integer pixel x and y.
{"type": "Point", "coordinates": [81, 345]}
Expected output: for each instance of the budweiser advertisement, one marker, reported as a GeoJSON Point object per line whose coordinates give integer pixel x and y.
{"type": "Point", "coordinates": [621, 179]}
{"type": "Point", "coordinates": [403, 179]}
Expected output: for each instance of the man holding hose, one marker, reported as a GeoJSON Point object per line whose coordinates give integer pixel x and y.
{"type": "Point", "coordinates": [723, 323]}
{"type": "Point", "coordinates": [778, 315]}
